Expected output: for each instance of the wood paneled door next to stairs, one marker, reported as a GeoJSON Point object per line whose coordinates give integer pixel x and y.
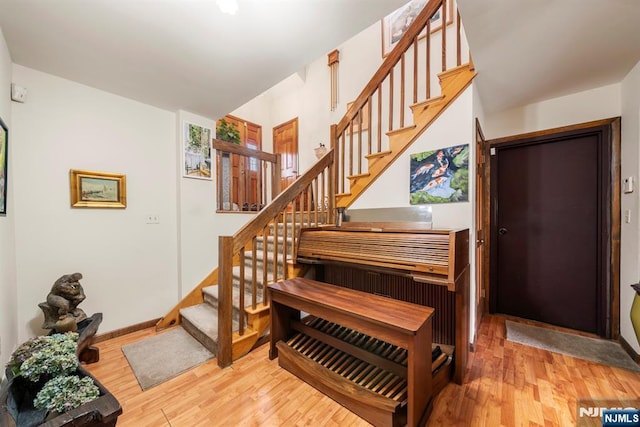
{"type": "Point", "coordinates": [285, 143]}
{"type": "Point", "coordinates": [245, 190]}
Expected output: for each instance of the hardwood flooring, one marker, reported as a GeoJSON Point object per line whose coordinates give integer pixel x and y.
{"type": "Point", "coordinates": [506, 384]}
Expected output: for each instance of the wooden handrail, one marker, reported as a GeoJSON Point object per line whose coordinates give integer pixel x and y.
{"type": "Point", "coordinates": [390, 61]}
{"type": "Point", "coordinates": [268, 161]}
{"type": "Point", "coordinates": [281, 201]}
{"type": "Point", "coordinates": [230, 147]}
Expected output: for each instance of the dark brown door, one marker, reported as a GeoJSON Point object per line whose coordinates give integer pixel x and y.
{"type": "Point", "coordinates": [285, 142]}
{"type": "Point", "coordinates": [548, 226]}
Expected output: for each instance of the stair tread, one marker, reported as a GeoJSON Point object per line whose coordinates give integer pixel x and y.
{"type": "Point", "coordinates": [401, 130]}
{"type": "Point", "coordinates": [378, 154]}
{"type": "Point", "coordinates": [212, 291]}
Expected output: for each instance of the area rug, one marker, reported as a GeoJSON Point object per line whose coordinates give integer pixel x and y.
{"type": "Point", "coordinates": [596, 350]}
{"type": "Point", "coordinates": [161, 357]}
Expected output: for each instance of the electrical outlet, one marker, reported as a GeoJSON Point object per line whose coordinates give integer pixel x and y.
{"type": "Point", "coordinates": [152, 219]}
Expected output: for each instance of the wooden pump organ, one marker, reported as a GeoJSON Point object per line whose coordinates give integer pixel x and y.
{"type": "Point", "coordinates": [386, 322]}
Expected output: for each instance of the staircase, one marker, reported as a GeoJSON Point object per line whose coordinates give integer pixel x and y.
{"type": "Point", "coordinates": [229, 310]}
{"type": "Point", "coordinates": [452, 84]}
{"type": "Point", "coordinates": [200, 320]}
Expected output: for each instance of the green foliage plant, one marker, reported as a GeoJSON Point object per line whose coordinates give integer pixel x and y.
{"type": "Point", "coordinates": [49, 355]}
{"type": "Point", "coordinates": [53, 357]}
{"type": "Point", "coordinates": [66, 392]}
{"type": "Point", "coordinates": [228, 132]}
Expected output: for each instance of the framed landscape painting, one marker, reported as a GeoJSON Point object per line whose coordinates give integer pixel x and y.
{"type": "Point", "coordinates": [4, 161]}
{"type": "Point", "coordinates": [440, 176]}
{"type": "Point", "coordinates": [97, 189]}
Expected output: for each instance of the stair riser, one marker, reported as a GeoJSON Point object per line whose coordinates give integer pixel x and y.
{"type": "Point", "coordinates": [210, 344]}
{"type": "Point", "coordinates": [270, 246]}
{"type": "Point", "coordinates": [213, 301]}
{"type": "Point", "coordinates": [248, 263]}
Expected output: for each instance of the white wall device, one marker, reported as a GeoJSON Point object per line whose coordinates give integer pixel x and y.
{"type": "Point", "coordinates": [18, 93]}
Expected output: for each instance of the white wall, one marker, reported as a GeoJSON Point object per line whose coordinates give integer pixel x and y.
{"type": "Point", "coordinates": [630, 236]}
{"type": "Point", "coordinates": [199, 224]}
{"type": "Point", "coordinates": [129, 267]}
{"type": "Point", "coordinates": [453, 127]}
{"type": "Point", "coordinates": [594, 104]}
{"type": "Point", "coordinates": [8, 286]}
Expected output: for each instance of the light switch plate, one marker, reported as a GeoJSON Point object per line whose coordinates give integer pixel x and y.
{"type": "Point", "coordinates": [628, 185]}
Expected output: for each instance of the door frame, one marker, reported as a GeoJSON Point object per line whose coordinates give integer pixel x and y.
{"type": "Point", "coordinates": [293, 121]}
{"type": "Point", "coordinates": [611, 211]}
{"type": "Point", "coordinates": [481, 213]}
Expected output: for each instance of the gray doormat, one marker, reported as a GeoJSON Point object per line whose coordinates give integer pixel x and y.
{"type": "Point", "coordinates": [161, 357]}
{"type": "Point", "coordinates": [597, 350]}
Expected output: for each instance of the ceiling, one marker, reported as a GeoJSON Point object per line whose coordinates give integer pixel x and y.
{"type": "Point", "coordinates": [181, 54]}
{"type": "Point", "coordinates": [530, 50]}
{"type": "Point", "coordinates": [187, 54]}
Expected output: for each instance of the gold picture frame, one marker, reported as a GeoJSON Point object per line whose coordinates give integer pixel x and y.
{"type": "Point", "coordinates": [97, 189]}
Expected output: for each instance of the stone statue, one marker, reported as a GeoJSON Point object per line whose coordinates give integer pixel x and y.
{"type": "Point", "coordinates": [61, 312]}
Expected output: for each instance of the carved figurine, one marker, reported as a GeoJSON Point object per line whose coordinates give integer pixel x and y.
{"type": "Point", "coordinates": [61, 311]}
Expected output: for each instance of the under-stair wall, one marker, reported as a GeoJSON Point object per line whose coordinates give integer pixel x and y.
{"type": "Point", "coordinates": [453, 127]}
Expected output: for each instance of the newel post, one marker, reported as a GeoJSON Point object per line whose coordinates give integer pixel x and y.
{"type": "Point", "coordinates": [225, 303]}
{"type": "Point", "coordinates": [333, 171]}
{"type": "Point", "coordinates": [276, 176]}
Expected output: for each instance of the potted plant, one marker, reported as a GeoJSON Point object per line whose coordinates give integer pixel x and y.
{"type": "Point", "coordinates": [46, 386]}
{"type": "Point", "coordinates": [46, 356]}
{"type": "Point", "coordinates": [228, 132]}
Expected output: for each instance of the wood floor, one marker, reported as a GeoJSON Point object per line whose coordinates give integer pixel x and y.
{"type": "Point", "coordinates": [506, 384]}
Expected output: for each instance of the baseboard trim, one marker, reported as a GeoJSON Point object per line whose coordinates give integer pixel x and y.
{"type": "Point", "coordinates": [630, 351]}
{"type": "Point", "coordinates": [126, 330]}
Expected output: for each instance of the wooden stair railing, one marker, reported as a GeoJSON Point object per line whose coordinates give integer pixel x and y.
{"type": "Point", "coordinates": [307, 201]}
{"type": "Point", "coordinates": [267, 168]}
{"type": "Point", "coordinates": [403, 85]}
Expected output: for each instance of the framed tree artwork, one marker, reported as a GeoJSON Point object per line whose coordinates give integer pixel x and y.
{"type": "Point", "coordinates": [197, 151]}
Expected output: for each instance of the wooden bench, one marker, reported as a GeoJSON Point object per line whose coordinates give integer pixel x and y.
{"type": "Point", "coordinates": [355, 375]}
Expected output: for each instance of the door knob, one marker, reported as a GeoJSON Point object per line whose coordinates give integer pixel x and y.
{"type": "Point", "coordinates": [502, 231]}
